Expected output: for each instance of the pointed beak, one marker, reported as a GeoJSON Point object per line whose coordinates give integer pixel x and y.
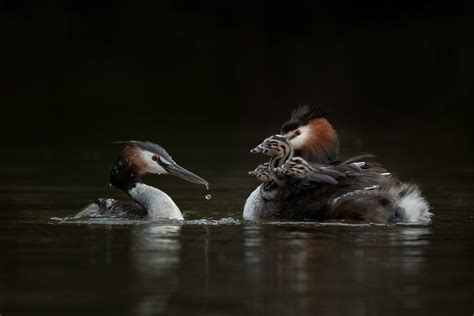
{"type": "Point", "coordinates": [179, 171]}
{"type": "Point", "coordinates": [257, 149]}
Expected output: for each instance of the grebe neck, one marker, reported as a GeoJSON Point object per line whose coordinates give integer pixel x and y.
{"type": "Point", "coordinates": [278, 160]}
{"type": "Point", "coordinates": [125, 176]}
{"type": "Point", "coordinates": [156, 202]}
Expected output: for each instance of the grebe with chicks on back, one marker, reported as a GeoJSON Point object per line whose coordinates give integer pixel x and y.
{"type": "Point", "coordinates": [306, 181]}
{"type": "Point", "coordinates": [136, 159]}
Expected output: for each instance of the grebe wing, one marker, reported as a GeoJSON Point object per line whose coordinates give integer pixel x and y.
{"type": "Point", "coordinates": [360, 162]}
{"type": "Point", "coordinates": [112, 207]}
{"type": "Point", "coordinates": [366, 204]}
{"type": "Point", "coordinates": [355, 158]}
{"type": "Point", "coordinates": [320, 177]}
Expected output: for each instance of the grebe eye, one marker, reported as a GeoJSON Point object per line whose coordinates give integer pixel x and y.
{"type": "Point", "coordinates": [154, 158]}
{"type": "Point", "coordinates": [298, 133]}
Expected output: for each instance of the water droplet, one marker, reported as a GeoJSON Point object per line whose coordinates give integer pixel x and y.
{"type": "Point", "coordinates": [208, 197]}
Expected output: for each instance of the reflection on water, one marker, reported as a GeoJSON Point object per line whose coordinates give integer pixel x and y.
{"type": "Point", "coordinates": [272, 273]}
{"type": "Point", "coordinates": [216, 263]}
{"type": "Point", "coordinates": [305, 269]}
{"type": "Point", "coordinates": [155, 253]}
{"type": "Point", "coordinates": [411, 242]}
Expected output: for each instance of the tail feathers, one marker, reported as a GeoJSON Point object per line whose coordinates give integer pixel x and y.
{"type": "Point", "coordinates": [408, 196]}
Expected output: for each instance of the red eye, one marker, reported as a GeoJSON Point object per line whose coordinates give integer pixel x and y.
{"type": "Point", "coordinates": [154, 157]}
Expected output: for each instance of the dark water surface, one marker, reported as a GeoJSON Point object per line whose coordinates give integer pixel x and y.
{"type": "Point", "coordinates": [215, 263]}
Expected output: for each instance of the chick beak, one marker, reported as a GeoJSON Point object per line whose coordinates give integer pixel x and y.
{"type": "Point", "coordinates": [256, 150]}
{"type": "Point", "coordinates": [261, 148]}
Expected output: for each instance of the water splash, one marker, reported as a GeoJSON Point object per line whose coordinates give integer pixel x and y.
{"type": "Point", "coordinates": [159, 222]}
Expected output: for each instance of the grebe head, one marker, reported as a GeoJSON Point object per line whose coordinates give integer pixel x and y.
{"type": "Point", "coordinates": [262, 172]}
{"type": "Point", "coordinates": [311, 135]}
{"type": "Point", "coordinates": [296, 166]}
{"type": "Point", "coordinates": [275, 145]}
{"type": "Point", "coordinates": [139, 158]}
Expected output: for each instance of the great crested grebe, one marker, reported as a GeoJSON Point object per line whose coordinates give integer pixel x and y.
{"type": "Point", "coordinates": [355, 189]}
{"type": "Point", "coordinates": [311, 135]}
{"type": "Point", "coordinates": [137, 159]}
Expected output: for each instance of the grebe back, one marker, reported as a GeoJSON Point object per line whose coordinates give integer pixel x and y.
{"type": "Point", "coordinates": [357, 188]}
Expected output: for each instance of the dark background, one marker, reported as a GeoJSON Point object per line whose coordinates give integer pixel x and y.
{"type": "Point", "coordinates": [78, 75]}
{"type": "Point", "coordinates": [209, 82]}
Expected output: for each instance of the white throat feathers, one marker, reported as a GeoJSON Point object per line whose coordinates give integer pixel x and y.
{"type": "Point", "coordinates": [157, 202]}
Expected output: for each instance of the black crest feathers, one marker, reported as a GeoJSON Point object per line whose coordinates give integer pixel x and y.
{"type": "Point", "coordinates": [300, 116]}
{"type": "Point", "coordinates": [151, 147]}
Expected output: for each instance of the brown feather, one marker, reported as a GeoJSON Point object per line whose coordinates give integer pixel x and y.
{"type": "Point", "coordinates": [132, 156]}
{"type": "Point", "coordinates": [323, 144]}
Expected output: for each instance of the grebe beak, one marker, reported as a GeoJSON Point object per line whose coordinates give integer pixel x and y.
{"type": "Point", "coordinates": [180, 172]}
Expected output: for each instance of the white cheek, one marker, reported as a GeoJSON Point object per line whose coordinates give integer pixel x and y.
{"type": "Point", "coordinates": [299, 141]}
{"type": "Point", "coordinates": [159, 169]}
{"type": "Point", "coordinates": [151, 165]}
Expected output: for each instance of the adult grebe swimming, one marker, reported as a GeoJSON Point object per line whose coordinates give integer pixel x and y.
{"type": "Point", "coordinates": [324, 188]}
{"type": "Point", "coordinates": [137, 159]}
